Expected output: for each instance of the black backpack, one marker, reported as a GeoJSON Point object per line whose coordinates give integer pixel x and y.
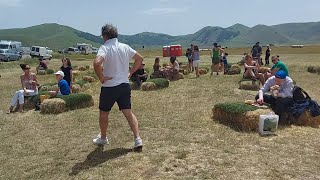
{"type": "Point", "coordinates": [299, 95]}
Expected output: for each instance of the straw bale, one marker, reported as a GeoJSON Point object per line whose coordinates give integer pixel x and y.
{"type": "Point", "coordinates": [42, 72]}
{"type": "Point", "coordinates": [203, 71]}
{"type": "Point", "coordinates": [148, 86]}
{"type": "Point", "coordinates": [44, 88]}
{"type": "Point", "coordinates": [53, 88]}
{"type": "Point", "coordinates": [249, 85]}
{"type": "Point", "coordinates": [89, 79]}
{"type": "Point", "coordinates": [53, 106]}
{"type": "Point", "coordinates": [248, 121]}
{"type": "Point", "coordinates": [307, 120]}
{"type": "Point", "coordinates": [186, 72]}
{"type": "Point", "coordinates": [82, 68]}
{"type": "Point", "coordinates": [76, 73]}
{"type": "Point", "coordinates": [76, 88]}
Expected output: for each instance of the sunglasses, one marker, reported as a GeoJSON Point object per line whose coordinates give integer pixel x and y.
{"type": "Point", "coordinates": [26, 68]}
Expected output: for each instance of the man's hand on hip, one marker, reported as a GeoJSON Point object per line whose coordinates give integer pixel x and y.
{"type": "Point", "coordinates": [104, 79]}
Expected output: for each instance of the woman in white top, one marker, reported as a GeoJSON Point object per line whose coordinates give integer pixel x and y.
{"type": "Point", "coordinates": [29, 88]}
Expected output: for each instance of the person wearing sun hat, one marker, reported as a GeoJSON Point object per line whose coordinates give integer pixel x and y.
{"type": "Point", "coordinates": [64, 88]}
{"type": "Point", "coordinates": [281, 87]}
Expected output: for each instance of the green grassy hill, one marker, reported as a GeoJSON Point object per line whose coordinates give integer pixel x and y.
{"type": "Point", "coordinates": [54, 36]}
{"type": "Point", "coordinates": [58, 36]}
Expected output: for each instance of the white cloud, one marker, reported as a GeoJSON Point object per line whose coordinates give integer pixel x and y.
{"type": "Point", "coordinates": [10, 3]}
{"type": "Point", "coordinates": [164, 11]}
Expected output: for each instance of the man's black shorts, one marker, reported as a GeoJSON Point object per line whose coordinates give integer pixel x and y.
{"type": "Point", "coordinates": [120, 94]}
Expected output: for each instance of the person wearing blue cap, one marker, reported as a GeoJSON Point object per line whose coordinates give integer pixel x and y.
{"type": "Point", "coordinates": [280, 85]}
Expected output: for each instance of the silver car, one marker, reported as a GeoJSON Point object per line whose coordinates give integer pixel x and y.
{"type": "Point", "coordinates": [9, 55]}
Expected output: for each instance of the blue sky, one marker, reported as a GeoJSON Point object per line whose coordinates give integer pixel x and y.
{"type": "Point", "coordinates": [174, 17]}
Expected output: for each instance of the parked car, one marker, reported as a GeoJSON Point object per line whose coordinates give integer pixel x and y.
{"type": "Point", "coordinates": [40, 52]}
{"type": "Point", "coordinates": [72, 50]}
{"type": "Point", "coordinates": [49, 51]}
{"type": "Point", "coordinates": [94, 50]}
{"type": "Point", "coordinates": [63, 51]}
{"type": "Point", "coordinates": [15, 46]}
{"type": "Point", "coordinates": [9, 55]}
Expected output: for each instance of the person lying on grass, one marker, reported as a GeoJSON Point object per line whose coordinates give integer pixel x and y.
{"type": "Point", "coordinates": [251, 70]}
{"type": "Point", "coordinates": [29, 88]}
{"type": "Point", "coordinates": [281, 87]}
{"type": "Point", "coordinates": [64, 88]}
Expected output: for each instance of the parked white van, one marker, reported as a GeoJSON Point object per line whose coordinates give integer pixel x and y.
{"type": "Point", "coordinates": [85, 48]}
{"type": "Point", "coordinates": [13, 45]}
{"type": "Point", "coordinates": [40, 52]}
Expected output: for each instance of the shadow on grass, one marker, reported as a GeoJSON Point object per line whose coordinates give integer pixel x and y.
{"type": "Point", "coordinates": [98, 156]}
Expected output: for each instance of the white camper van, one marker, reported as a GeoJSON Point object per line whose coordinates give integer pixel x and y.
{"type": "Point", "coordinates": [40, 52]}
{"type": "Point", "coordinates": [13, 45]}
{"type": "Point", "coordinates": [85, 48]}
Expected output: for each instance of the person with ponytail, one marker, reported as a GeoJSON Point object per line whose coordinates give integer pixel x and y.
{"type": "Point", "coordinates": [29, 88]}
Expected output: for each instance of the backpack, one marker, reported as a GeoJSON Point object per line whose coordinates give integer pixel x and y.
{"type": "Point", "coordinates": [299, 95]}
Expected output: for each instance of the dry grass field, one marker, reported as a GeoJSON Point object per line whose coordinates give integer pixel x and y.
{"type": "Point", "coordinates": [181, 141]}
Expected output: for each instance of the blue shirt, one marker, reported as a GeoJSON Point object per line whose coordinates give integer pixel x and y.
{"type": "Point", "coordinates": [285, 88]}
{"type": "Point", "coordinates": [225, 61]}
{"type": "Point", "coordinates": [64, 87]}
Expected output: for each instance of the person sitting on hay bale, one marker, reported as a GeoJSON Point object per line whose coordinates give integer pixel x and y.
{"type": "Point", "coordinates": [172, 72]}
{"type": "Point", "coordinates": [139, 76]}
{"type": "Point", "coordinates": [278, 65]}
{"type": "Point", "coordinates": [251, 70]}
{"type": "Point", "coordinates": [29, 88]}
{"type": "Point", "coordinates": [281, 87]}
{"type": "Point", "coordinates": [64, 88]}
{"type": "Point", "coordinates": [42, 65]}
{"type": "Point", "coordinates": [157, 72]}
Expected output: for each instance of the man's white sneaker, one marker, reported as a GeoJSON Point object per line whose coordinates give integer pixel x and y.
{"type": "Point", "coordinates": [137, 145]}
{"type": "Point", "coordinates": [99, 141]}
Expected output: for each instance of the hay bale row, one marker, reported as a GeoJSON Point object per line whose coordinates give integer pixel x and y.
{"type": "Point", "coordinates": [238, 116]}
{"type": "Point", "coordinates": [42, 72]}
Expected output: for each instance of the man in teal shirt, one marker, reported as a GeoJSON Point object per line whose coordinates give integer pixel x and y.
{"type": "Point", "coordinates": [278, 65]}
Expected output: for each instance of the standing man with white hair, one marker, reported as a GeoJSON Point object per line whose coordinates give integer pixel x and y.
{"type": "Point", "coordinates": [114, 57]}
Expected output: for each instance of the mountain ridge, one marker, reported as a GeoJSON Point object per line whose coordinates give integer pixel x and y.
{"type": "Point", "coordinates": [59, 36]}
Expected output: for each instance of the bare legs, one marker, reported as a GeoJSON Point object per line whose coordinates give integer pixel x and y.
{"type": "Point", "coordinates": [131, 118]}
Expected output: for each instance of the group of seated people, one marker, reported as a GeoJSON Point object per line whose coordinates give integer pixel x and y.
{"type": "Point", "coordinates": [251, 69]}
{"type": "Point", "coordinates": [170, 72]}
{"type": "Point", "coordinates": [30, 85]}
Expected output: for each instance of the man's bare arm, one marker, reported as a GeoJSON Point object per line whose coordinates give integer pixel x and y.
{"type": "Point", "coordinates": [137, 63]}
{"type": "Point", "coordinates": [98, 69]}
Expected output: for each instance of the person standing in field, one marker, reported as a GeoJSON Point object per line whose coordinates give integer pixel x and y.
{"type": "Point", "coordinates": [114, 57]}
{"type": "Point", "coordinates": [215, 54]}
{"type": "Point", "coordinates": [256, 50]}
{"type": "Point", "coordinates": [196, 59]}
{"type": "Point", "coordinates": [66, 68]}
{"type": "Point", "coordinates": [268, 52]}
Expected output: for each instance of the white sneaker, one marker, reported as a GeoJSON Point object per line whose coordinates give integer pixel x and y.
{"type": "Point", "coordinates": [137, 145]}
{"type": "Point", "coordinates": [99, 141]}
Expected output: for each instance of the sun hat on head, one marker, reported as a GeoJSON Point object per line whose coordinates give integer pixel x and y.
{"type": "Point", "coordinates": [59, 73]}
{"type": "Point", "coordinates": [281, 74]}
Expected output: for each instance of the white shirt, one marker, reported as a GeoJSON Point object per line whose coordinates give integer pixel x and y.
{"type": "Point", "coordinates": [116, 61]}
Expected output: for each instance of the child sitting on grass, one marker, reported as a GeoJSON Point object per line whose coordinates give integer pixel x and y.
{"type": "Point", "coordinates": [63, 85]}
